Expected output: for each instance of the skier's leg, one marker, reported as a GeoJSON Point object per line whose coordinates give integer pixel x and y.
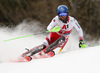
{"type": "Point", "coordinates": [55, 44]}
{"type": "Point", "coordinates": [49, 40]}
{"type": "Point", "coordinates": [28, 55]}
{"type": "Point", "coordinates": [33, 51]}
{"type": "Point", "coordinates": [40, 48]}
{"type": "Point", "coordinates": [48, 50]}
{"type": "Point", "coordinates": [52, 37]}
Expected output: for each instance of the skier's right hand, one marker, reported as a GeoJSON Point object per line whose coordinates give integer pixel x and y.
{"type": "Point", "coordinates": [81, 44]}
{"type": "Point", "coordinates": [55, 29]}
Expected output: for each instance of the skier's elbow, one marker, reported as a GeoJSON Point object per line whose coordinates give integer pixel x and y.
{"type": "Point", "coordinates": [49, 28]}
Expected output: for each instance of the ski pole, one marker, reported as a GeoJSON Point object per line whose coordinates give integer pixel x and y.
{"type": "Point", "coordinates": [92, 45]}
{"type": "Point", "coordinates": [24, 36]}
{"type": "Point", "coordinates": [55, 29]}
{"type": "Point", "coordinates": [86, 46]}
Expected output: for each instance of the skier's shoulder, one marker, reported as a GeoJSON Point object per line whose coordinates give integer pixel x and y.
{"type": "Point", "coordinates": [56, 18]}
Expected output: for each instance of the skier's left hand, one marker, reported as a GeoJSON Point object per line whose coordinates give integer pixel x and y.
{"type": "Point", "coordinates": [81, 44]}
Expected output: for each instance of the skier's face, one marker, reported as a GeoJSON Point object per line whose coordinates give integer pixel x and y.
{"type": "Point", "coordinates": [63, 16]}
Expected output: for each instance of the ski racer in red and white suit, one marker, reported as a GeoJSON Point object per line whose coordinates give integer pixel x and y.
{"type": "Point", "coordinates": [66, 23]}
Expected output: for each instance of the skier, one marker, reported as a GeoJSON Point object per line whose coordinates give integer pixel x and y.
{"type": "Point", "coordinates": [58, 38]}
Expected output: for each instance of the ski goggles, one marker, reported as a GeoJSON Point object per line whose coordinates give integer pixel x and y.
{"type": "Point", "coordinates": [63, 14]}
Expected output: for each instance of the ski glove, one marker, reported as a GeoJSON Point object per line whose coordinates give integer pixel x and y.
{"type": "Point", "coordinates": [55, 29]}
{"type": "Point", "coordinates": [81, 44]}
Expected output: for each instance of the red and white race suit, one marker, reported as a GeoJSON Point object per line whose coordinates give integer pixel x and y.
{"type": "Point", "coordinates": [66, 29]}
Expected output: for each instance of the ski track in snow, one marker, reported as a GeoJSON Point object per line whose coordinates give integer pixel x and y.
{"type": "Point", "coordinates": [71, 61]}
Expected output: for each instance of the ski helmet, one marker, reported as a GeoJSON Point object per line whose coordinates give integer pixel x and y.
{"type": "Point", "coordinates": [62, 9]}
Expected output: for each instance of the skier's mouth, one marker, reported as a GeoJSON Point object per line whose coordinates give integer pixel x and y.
{"type": "Point", "coordinates": [63, 18]}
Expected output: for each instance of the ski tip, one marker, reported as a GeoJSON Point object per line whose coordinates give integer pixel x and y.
{"type": "Point", "coordinates": [18, 60]}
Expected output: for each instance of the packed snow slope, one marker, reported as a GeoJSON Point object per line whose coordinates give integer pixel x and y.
{"type": "Point", "coordinates": [71, 60]}
{"type": "Point", "coordinates": [78, 61]}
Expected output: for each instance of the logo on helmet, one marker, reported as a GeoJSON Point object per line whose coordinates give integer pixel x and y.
{"type": "Point", "coordinates": [62, 9]}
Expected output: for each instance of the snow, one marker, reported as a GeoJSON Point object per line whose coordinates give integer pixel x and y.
{"type": "Point", "coordinates": [78, 61]}
{"type": "Point", "coordinates": [71, 60]}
